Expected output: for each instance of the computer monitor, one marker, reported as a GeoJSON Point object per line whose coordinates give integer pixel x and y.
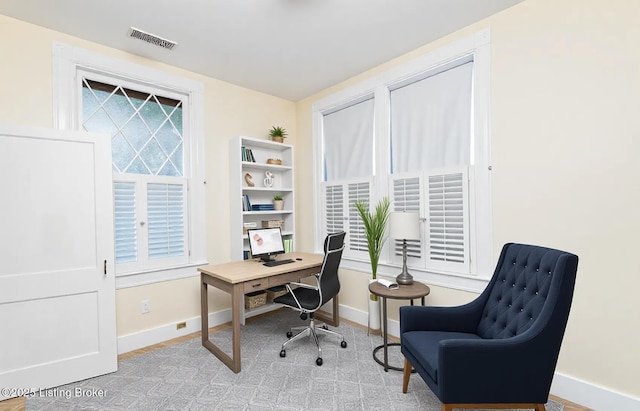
{"type": "Point", "coordinates": [264, 243]}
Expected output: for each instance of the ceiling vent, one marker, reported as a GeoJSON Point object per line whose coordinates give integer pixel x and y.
{"type": "Point", "coordinates": [152, 39]}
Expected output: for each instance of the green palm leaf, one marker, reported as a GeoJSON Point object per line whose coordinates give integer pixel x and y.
{"type": "Point", "coordinates": [375, 224]}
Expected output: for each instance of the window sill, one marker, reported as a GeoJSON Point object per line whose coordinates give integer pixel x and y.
{"type": "Point", "coordinates": [454, 281]}
{"type": "Point", "coordinates": [127, 280]}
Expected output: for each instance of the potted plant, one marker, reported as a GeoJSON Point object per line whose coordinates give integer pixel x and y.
{"type": "Point", "coordinates": [278, 202]}
{"type": "Point", "coordinates": [375, 225]}
{"type": "Point", "coordinates": [278, 134]}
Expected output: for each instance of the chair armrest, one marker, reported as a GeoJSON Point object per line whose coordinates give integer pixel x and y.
{"type": "Point", "coordinates": [519, 367]}
{"type": "Point", "coordinates": [303, 285]}
{"type": "Point", "coordinates": [462, 318]}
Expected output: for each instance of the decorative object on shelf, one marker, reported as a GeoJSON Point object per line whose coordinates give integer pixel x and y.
{"type": "Point", "coordinates": [274, 161]}
{"type": "Point", "coordinates": [272, 223]}
{"type": "Point", "coordinates": [375, 224]}
{"type": "Point", "coordinates": [268, 179]}
{"type": "Point", "coordinates": [247, 179]}
{"type": "Point", "coordinates": [278, 134]}
{"type": "Point", "coordinates": [248, 226]}
{"type": "Point", "coordinates": [404, 226]}
{"type": "Point", "coordinates": [278, 203]}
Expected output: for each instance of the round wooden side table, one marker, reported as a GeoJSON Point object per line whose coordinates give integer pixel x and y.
{"type": "Point", "coordinates": [403, 292]}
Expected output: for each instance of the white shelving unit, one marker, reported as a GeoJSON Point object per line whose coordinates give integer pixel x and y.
{"type": "Point", "coordinates": [260, 193]}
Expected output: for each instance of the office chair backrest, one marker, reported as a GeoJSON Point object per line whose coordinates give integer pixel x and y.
{"type": "Point", "coordinates": [329, 282]}
{"type": "Point", "coordinates": [531, 287]}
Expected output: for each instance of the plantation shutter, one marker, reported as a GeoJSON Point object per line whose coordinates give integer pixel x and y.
{"type": "Point", "coordinates": [448, 220]}
{"type": "Point", "coordinates": [124, 195]}
{"type": "Point", "coordinates": [357, 241]}
{"type": "Point", "coordinates": [334, 208]}
{"type": "Point", "coordinates": [166, 220]}
{"type": "Point", "coordinates": [406, 195]}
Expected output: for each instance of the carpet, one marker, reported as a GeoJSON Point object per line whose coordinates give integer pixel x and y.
{"type": "Point", "coordinates": [186, 376]}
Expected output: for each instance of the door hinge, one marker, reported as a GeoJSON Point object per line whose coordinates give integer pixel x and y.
{"type": "Point", "coordinates": [105, 267]}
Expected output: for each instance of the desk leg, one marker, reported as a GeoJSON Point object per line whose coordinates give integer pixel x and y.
{"type": "Point", "coordinates": [237, 298]}
{"type": "Point", "coordinates": [237, 301]}
{"type": "Point", "coordinates": [204, 310]}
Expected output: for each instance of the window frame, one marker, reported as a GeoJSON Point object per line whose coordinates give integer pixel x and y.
{"type": "Point", "coordinates": [68, 62]}
{"type": "Point", "coordinates": [477, 47]}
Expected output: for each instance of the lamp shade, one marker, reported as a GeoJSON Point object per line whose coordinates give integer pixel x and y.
{"type": "Point", "coordinates": [404, 226]}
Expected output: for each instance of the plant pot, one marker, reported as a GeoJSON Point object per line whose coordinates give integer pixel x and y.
{"type": "Point", "coordinates": [278, 139]}
{"type": "Point", "coordinates": [374, 313]}
{"type": "Point", "coordinates": [278, 204]}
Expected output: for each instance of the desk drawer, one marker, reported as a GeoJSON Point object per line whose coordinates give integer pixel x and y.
{"type": "Point", "coordinates": [285, 278]}
{"type": "Point", "coordinates": [256, 285]}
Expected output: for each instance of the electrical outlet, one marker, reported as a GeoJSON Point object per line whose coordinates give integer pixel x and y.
{"type": "Point", "coordinates": [145, 307]}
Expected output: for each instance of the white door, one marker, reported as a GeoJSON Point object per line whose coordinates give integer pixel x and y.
{"type": "Point", "coordinates": [57, 286]}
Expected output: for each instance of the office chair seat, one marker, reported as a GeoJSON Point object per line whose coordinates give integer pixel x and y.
{"type": "Point", "coordinates": [307, 299]}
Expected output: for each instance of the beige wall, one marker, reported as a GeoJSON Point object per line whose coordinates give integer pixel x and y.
{"type": "Point", "coordinates": [565, 152]}
{"type": "Point", "coordinates": [26, 87]}
{"type": "Point", "coordinates": [565, 132]}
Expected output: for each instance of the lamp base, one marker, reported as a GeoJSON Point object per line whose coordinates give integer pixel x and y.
{"type": "Point", "coordinates": [404, 278]}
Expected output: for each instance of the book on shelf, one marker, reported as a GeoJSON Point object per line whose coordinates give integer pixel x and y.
{"type": "Point", "coordinates": [262, 207]}
{"type": "Point", "coordinates": [288, 245]}
{"type": "Point", "coordinates": [247, 155]}
{"type": "Point", "coordinates": [246, 204]}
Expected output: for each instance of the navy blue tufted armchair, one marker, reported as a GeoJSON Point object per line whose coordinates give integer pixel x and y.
{"type": "Point", "coordinates": [501, 349]}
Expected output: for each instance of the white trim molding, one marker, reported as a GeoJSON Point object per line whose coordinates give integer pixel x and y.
{"type": "Point", "coordinates": [67, 62]}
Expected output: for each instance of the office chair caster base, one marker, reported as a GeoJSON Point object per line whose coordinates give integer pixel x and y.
{"type": "Point", "coordinates": [343, 344]}
{"type": "Point", "coordinates": [319, 361]}
{"type": "Point", "coordinates": [283, 353]}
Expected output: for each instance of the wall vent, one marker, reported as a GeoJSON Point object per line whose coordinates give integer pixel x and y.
{"type": "Point", "coordinates": [152, 39]}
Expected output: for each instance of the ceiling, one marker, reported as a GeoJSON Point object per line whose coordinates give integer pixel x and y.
{"type": "Point", "coordinates": [286, 48]}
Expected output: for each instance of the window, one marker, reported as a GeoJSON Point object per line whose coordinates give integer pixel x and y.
{"type": "Point", "coordinates": [155, 124]}
{"type": "Point", "coordinates": [426, 148]}
{"type": "Point", "coordinates": [147, 144]}
{"type": "Point", "coordinates": [348, 169]}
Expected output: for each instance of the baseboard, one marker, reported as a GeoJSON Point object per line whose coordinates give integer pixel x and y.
{"type": "Point", "coordinates": [572, 389]}
{"type": "Point", "coordinates": [591, 395]}
{"type": "Point", "coordinates": [146, 338]}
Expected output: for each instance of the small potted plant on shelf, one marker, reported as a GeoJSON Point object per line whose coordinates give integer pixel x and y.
{"type": "Point", "coordinates": [278, 202]}
{"type": "Point", "coordinates": [278, 134]}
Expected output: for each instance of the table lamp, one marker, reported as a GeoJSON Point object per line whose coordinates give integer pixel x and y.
{"type": "Point", "coordinates": [404, 226]}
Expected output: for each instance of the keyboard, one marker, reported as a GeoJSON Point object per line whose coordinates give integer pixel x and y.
{"type": "Point", "coordinates": [277, 262]}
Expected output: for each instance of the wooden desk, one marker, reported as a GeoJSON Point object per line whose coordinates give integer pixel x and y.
{"type": "Point", "coordinates": [241, 277]}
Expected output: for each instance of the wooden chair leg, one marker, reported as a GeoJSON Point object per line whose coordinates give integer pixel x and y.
{"type": "Point", "coordinates": [406, 375]}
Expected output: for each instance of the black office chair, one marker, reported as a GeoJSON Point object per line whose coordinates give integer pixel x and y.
{"type": "Point", "coordinates": [309, 298]}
